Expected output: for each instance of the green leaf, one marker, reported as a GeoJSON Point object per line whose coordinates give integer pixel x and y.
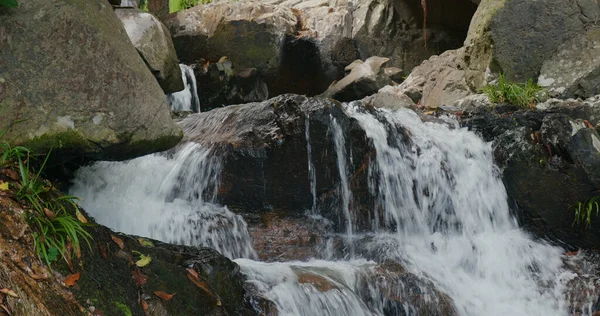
{"type": "Point", "coordinates": [52, 254]}
{"type": "Point", "coordinates": [9, 3]}
{"type": "Point", "coordinates": [144, 261]}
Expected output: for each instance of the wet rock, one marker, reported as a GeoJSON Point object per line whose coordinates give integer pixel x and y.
{"type": "Point", "coordinates": [264, 153]}
{"type": "Point", "coordinates": [277, 237]}
{"type": "Point", "coordinates": [365, 78]}
{"type": "Point", "coordinates": [153, 41]}
{"type": "Point", "coordinates": [549, 162]}
{"type": "Point", "coordinates": [574, 68]}
{"type": "Point", "coordinates": [403, 291]}
{"type": "Point", "coordinates": [503, 34]}
{"type": "Point", "coordinates": [93, 98]}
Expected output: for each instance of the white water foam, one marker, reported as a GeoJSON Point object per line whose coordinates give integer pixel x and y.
{"type": "Point", "coordinates": [446, 219]}
{"type": "Point", "coordinates": [186, 99]}
{"type": "Point", "coordinates": [443, 195]}
{"type": "Point", "coordinates": [161, 197]}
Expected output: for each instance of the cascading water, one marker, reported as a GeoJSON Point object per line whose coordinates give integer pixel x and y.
{"type": "Point", "coordinates": [446, 219]}
{"type": "Point", "coordinates": [186, 99]}
{"type": "Point", "coordinates": [162, 197]}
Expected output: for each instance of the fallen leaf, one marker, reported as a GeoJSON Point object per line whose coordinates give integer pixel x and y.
{"type": "Point", "coordinates": [202, 285]}
{"type": "Point", "coordinates": [12, 174]}
{"type": "Point", "coordinates": [588, 124]}
{"type": "Point", "coordinates": [80, 216]}
{"type": "Point", "coordinates": [429, 112]}
{"type": "Point", "coordinates": [71, 279]}
{"type": "Point", "coordinates": [8, 292]}
{"type": "Point", "coordinates": [118, 241]}
{"type": "Point", "coordinates": [49, 213]}
{"type": "Point", "coordinates": [145, 306]}
{"type": "Point", "coordinates": [219, 302]}
{"type": "Point", "coordinates": [139, 278]}
{"type": "Point", "coordinates": [102, 251]}
{"type": "Point", "coordinates": [5, 309]}
{"type": "Point", "coordinates": [77, 250]}
{"type": "Point", "coordinates": [146, 243]}
{"type": "Point", "coordinates": [164, 295]}
{"type": "Point", "coordinates": [193, 273]}
{"type": "Point", "coordinates": [3, 186]}
{"type": "Point", "coordinates": [144, 261]}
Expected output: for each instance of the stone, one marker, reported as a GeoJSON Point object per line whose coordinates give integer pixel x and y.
{"type": "Point", "coordinates": [503, 34]}
{"type": "Point", "coordinates": [74, 82]}
{"type": "Point", "coordinates": [574, 70]}
{"type": "Point", "coordinates": [438, 81]}
{"type": "Point", "coordinates": [389, 98]}
{"type": "Point", "coordinates": [153, 41]}
{"type": "Point", "coordinates": [550, 161]}
{"type": "Point", "coordinates": [364, 79]}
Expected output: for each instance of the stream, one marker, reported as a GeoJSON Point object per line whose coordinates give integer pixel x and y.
{"type": "Point", "coordinates": [445, 218]}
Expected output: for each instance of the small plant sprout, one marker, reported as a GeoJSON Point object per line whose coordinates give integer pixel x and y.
{"type": "Point", "coordinates": [585, 210]}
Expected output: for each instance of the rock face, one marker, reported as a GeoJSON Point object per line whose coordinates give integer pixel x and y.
{"type": "Point", "coordinates": [268, 135]}
{"type": "Point", "coordinates": [574, 71]}
{"type": "Point", "coordinates": [301, 47]}
{"type": "Point", "coordinates": [365, 78]}
{"type": "Point", "coordinates": [550, 159]}
{"type": "Point", "coordinates": [438, 81]}
{"type": "Point", "coordinates": [503, 35]}
{"type": "Point", "coordinates": [93, 96]}
{"type": "Point", "coordinates": [153, 41]}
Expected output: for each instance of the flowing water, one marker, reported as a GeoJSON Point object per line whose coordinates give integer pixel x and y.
{"type": "Point", "coordinates": [445, 218]}
{"type": "Point", "coordinates": [186, 99]}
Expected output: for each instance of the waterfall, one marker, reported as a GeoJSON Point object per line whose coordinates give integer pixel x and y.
{"type": "Point", "coordinates": [340, 151]}
{"type": "Point", "coordinates": [445, 219]}
{"type": "Point", "coordinates": [312, 177]}
{"type": "Point", "coordinates": [164, 197]}
{"type": "Point", "coordinates": [186, 99]}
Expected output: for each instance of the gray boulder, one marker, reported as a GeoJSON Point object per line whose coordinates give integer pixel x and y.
{"type": "Point", "coordinates": [153, 41]}
{"type": "Point", "coordinates": [574, 70]}
{"type": "Point", "coordinates": [71, 80]}
{"type": "Point", "coordinates": [441, 80]}
{"type": "Point", "coordinates": [515, 37]}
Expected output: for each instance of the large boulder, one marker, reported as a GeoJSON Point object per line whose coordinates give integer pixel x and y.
{"type": "Point", "coordinates": [441, 80]}
{"type": "Point", "coordinates": [515, 37]}
{"type": "Point", "coordinates": [72, 80]}
{"type": "Point", "coordinates": [153, 41]}
{"type": "Point", "coordinates": [365, 78]}
{"type": "Point", "coordinates": [273, 139]}
{"type": "Point", "coordinates": [574, 70]}
{"type": "Point", "coordinates": [550, 161]}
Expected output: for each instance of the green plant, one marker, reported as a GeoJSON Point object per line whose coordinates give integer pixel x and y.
{"type": "Point", "coordinates": [8, 3]}
{"type": "Point", "coordinates": [56, 231]}
{"type": "Point", "coordinates": [585, 209]}
{"type": "Point", "coordinates": [177, 5]}
{"type": "Point", "coordinates": [523, 95]}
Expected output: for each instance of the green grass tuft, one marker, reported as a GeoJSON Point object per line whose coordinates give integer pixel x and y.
{"type": "Point", "coordinates": [523, 95]}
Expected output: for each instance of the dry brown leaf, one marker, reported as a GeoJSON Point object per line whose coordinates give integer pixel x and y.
{"type": "Point", "coordinates": [77, 249]}
{"type": "Point", "coordinates": [8, 292]}
{"type": "Point", "coordinates": [5, 309]}
{"type": "Point", "coordinates": [145, 306]}
{"type": "Point", "coordinates": [193, 273]}
{"type": "Point", "coordinates": [164, 295]}
{"type": "Point", "coordinates": [49, 213]}
{"type": "Point", "coordinates": [118, 241]}
{"type": "Point", "coordinates": [71, 279]}
{"type": "Point", "coordinates": [80, 216]}
{"type": "Point", "coordinates": [139, 278]}
{"type": "Point", "coordinates": [102, 251]}
{"type": "Point", "coordinates": [202, 285]}
{"type": "Point", "coordinates": [12, 174]}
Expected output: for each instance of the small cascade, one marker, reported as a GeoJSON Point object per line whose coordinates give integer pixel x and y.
{"type": "Point", "coordinates": [340, 151]}
{"type": "Point", "coordinates": [166, 197]}
{"type": "Point", "coordinates": [444, 220]}
{"type": "Point", "coordinates": [312, 177]}
{"type": "Point", "coordinates": [186, 99]}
